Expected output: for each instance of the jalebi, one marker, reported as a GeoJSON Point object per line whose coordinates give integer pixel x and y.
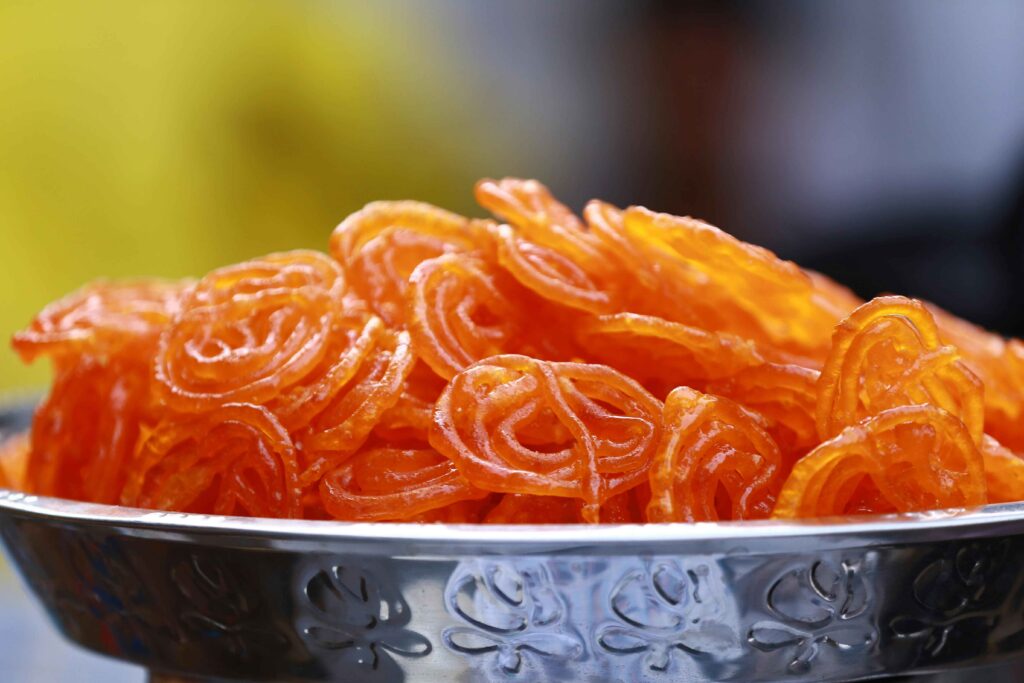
{"type": "Point", "coordinates": [239, 460]}
{"type": "Point", "coordinates": [246, 333]}
{"type": "Point", "coordinates": [519, 425]}
{"type": "Point", "coordinates": [101, 318]}
{"type": "Point", "coordinates": [905, 459]}
{"type": "Point", "coordinates": [382, 244]}
{"type": "Point", "coordinates": [716, 461]}
{"type": "Point", "coordinates": [393, 483]}
{"type": "Point", "coordinates": [886, 354]}
{"type": "Point", "coordinates": [785, 395]}
{"type": "Point", "coordinates": [434, 368]}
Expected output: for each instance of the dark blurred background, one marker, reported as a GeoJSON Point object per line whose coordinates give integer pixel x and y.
{"type": "Point", "coordinates": [879, 142]}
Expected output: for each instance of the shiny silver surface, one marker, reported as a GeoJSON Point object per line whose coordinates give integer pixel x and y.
{"type": "Point", "coordinates": [251, 599]}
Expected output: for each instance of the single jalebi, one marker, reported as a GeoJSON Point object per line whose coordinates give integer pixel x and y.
{"type": "Point", "coordinates": [344, 425]}
{"type": "Point", "coordinates": [905, 459]}
{"type": "Point", "coordinates": [999, 363]}
{"type": "Point", "coordinates": [458, 313]}
{"type": "Point", "coordinates": [248, 332]}
{"type": "Point", "coordinates": [716, 461]}
{"type": "Point", "coordinates": [545, 246]}
{"type": "Point", "coordinates": [382, 244]}
{"type": "Point", "coordinates": [785, 395]}
{"type": "Point", "coordinates": [661, 354]}
{"type": "Point", "coordinates": [393, 483]}
{"type": "Point", "coordinates": [239, 460]}
{"type": "Point", "coordinates": [886, 354]}
{"type": "Point", "coordinates": [101, 318]}
{"type": "Point", "coordinates": [435, 368]}
{"type": "Point", "coordinates": [1004, 472]}
{"type": "Point", "coordinates": [516, 424]}
{"type": "Point", "coordinates": [728, 285]}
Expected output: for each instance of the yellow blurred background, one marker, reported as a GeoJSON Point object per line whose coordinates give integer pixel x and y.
{"type": "Point", "coordinates": [152, 138]}
{"type": "Point", "coordinates": [169, 137]}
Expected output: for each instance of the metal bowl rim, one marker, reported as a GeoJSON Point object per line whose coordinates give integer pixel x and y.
{"type": "Point", "coordinates": [991, 520]}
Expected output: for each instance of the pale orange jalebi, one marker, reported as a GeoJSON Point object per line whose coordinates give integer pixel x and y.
{"type": "Point", "coordinates": [729, 285]}
{"type": "Point", "coordinates": [435, 368]}
{"type": "Point", "coordinates": [547, 248]}
{"type": "Point", "coordinates": [999, 363]}
{"type": "Point", "coordinates": [1004, 472]}
{"type": "Point", "coordinates": [785, 395]}
{"type": "Point", "coordinates": [342, 427]}
{"type": "Point", "coordinates": [239, 460]}
{"type": "Point", "coordinates": [458, 313]}
{"type": "Point", "coordinates": [101, 318]}
{"type": "Point", "coordinates": [393, 483]}
{"type": "Point", "coordinates": [84, 433]}
{"type": "Point", "coordinates": [886, 354]}
{"type": "Point", "coordinates": [516, 424]}
{"type": "Point", "coordinates": [248, 332]}
{"type": "Point", "coordinates": [380, 245]}
{"type": "Point", "coordinates": [661, 354]}
{"type": "Point", "coordinates": [716, 461]}
{"type": "Point", "coordinates": [905, 459]}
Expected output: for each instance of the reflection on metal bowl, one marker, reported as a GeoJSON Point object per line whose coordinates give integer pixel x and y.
{"type": "Point", "coordinates": [256, 599]}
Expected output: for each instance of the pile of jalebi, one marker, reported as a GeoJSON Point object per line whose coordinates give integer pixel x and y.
{"type": "Point", "coordinates": [536, 367]}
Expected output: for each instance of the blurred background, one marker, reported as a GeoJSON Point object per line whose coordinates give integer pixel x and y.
{"type": "Point", "coordinates": [879, 142]}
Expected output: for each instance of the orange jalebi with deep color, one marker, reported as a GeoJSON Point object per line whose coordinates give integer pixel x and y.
{"type": "Point", "coordinates": [436, 368]}
{"type": "Point", "coordinates": [716, 461]}
{"type": "Point", "coordinates": [516, 424]}
{"type": "Point", "coordinates": [905, 459]}
{"type": "Point", "coordinates": [888, 353]}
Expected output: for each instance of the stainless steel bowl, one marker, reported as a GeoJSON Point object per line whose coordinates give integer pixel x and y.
{"type": "Point", "coordinates": [257, 599]}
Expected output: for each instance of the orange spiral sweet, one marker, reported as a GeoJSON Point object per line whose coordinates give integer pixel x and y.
{"type": "Point", "coordinates": [905, 459]}
{"type": "Point", "coordinates": [247, 332]}
{"type": "Point", "coordinates": [352, 340]}
{"type": "Point", "coordinates": [434, 368]}
{"type": "Point", "coordinates": [785, 395]}
{"type": "Point", "coordinates": [237, 461]}
{"type": "Point", "coordinates": [662, 354]}
{"type": "Point", "coordinates": [546, 247]}
{"type": "Point", "coordinates": [715, 462]}
{"type": "Point", "coordinates": [888, 353]}
{"type": "Point", "coordinates": [344, 425]}
{"type": "Point", "coordinates": [382, 244]}
{"type": "Point", "coordinates": [408, 420]}
{"type": "Point", "coordinates": [999, 364]}
{"type": "Point", "coordinates": [84, 433]}
{"type": "Point", "coordinates": [393, 483]}
{"type": "Point", "coordinates": [708, 277]}
{"type": "Point", "coordinates": [100, 318]}
{"type": "Point", "coordinates": [518, 425]}
{"type": "Point", "coordinates": [1004, 472]}
{"type": "Point", "coordinates": [458, 313]}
